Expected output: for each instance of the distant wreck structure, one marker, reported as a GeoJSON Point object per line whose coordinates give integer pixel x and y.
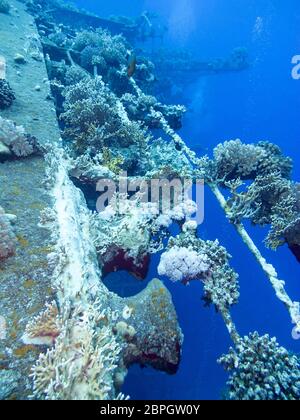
{"type": "Point", "coordinates": [79, 117]}
{"type": "Point", "coordinates": [57, 29]}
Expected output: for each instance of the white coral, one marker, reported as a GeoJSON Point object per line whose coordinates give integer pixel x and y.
{"type": "Point", "coordinates": [7, 237]}
{"type": "Point", "coordinates": [14, 137]}
{"type": "Point", "coordinates": [182, 264]}
{"type": "Point", "coordinates": [21, 147]}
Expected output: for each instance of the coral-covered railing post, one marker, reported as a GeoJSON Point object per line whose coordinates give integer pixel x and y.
{"type": "Point", "coordinates": [277, 284]}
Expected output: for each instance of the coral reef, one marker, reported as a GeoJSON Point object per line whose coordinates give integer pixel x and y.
{"type": "Point", "coordinates": [7, 95]}
{"type": "Point", "coordinates": [285, 217]}
{"type": "Point", "coordinates": [139, 109]}
{"type": "Point", "coordinates": [96, 335]}
{"type": "Point", "coordinates": [100, 49]}
{"type": "Point", "coordinates": [262, 370]}
{"type": "Point", "coordinates": [7, 237]}
{"type": "Point", "coordinates": [127, 231]}
{"type": "Point", "coordinates": [109, 116]}
{"type": "Point", "coordinates": [124, 225]}
{"type": "Point", "coordinates": [270, 199]}
{"type": "Point", "coordinates": [94, 120]}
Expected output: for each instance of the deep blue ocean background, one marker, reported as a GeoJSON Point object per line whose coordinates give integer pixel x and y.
{"type": "Point", "coordinates": [261, 103]}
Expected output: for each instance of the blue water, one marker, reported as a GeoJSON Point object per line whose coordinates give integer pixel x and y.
{"type": "Point", "coordinates": [261, 103]}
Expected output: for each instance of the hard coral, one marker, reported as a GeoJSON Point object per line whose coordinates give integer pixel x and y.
{"type": "Point", "coordinates": [100, 48]}
{"type": "Point", "coordinates": [82, 363]}
{"type": "Point", "coordinates": [259, 200]}
{"type": "Point", "coordinates": [139, 109]}
{"type": "Point", "coordinates": [6, 94]}
{"type": "Point", "coordinates": [285, 220]}
{"type": "Point", "coordinates": [234, 159]}
{"type": "Point", "coordinates": [262, 370]}
{"type": "Point", "coordinates": [95, 119]}
{"type": "Point", "coordinates": [7, 236]}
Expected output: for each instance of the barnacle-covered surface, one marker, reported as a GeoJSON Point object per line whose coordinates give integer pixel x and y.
{"type": "Point", "coordinates": [156, 339]}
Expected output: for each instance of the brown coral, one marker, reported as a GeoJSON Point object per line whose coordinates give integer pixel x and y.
{"type": "Point", "coordinates": [45, 328]}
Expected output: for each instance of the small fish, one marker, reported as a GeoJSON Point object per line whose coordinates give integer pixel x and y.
{"type": "Point", "coordinates": [131, 65]}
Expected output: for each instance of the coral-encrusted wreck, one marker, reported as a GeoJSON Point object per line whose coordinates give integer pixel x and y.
{"type": "Point", "coordinates": [66, 336]}
{"type": "Point", "coordinates": [85, 338]}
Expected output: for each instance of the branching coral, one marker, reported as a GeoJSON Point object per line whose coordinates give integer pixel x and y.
{"type": "Point", "coordinates": [234, 159]}
{"type": "Point", "coordinates": [100, 49]}
{"type": "Point", "coordinates": [94, 120]}
{"type": "Point", "coordinates": [285, 220]}
{"type": "Point", "coordinates": [74, 75]}
{"type": "Point", "coordinates": [139, 109]}
{"type": "Point", "coordinates": [7, 95]}
{"type": "Point", "coordinates": [81, 364]}
{"type": "Point", "coordinates": [258, 201]}
{"type": "Point", "coordinates": [262, 370]}
{"type": "Point", "coordinates": [7, 236]}
{"type": "Point", "coordinates": [45, 328]}
{"type": "Point", "coordinates": [270, 200]}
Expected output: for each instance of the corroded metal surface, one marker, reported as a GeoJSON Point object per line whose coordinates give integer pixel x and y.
{"type": "Point", "coordinates": [25, 283]}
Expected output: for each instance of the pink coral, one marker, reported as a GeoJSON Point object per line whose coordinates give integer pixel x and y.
{"type": "Point", "coordinates": [183, 264]}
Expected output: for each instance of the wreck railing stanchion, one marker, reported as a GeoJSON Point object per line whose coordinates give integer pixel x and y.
{"type": "Point", "coordinates": [277, 284]}
{"type": "Point", "coordinates": [230, 325]}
